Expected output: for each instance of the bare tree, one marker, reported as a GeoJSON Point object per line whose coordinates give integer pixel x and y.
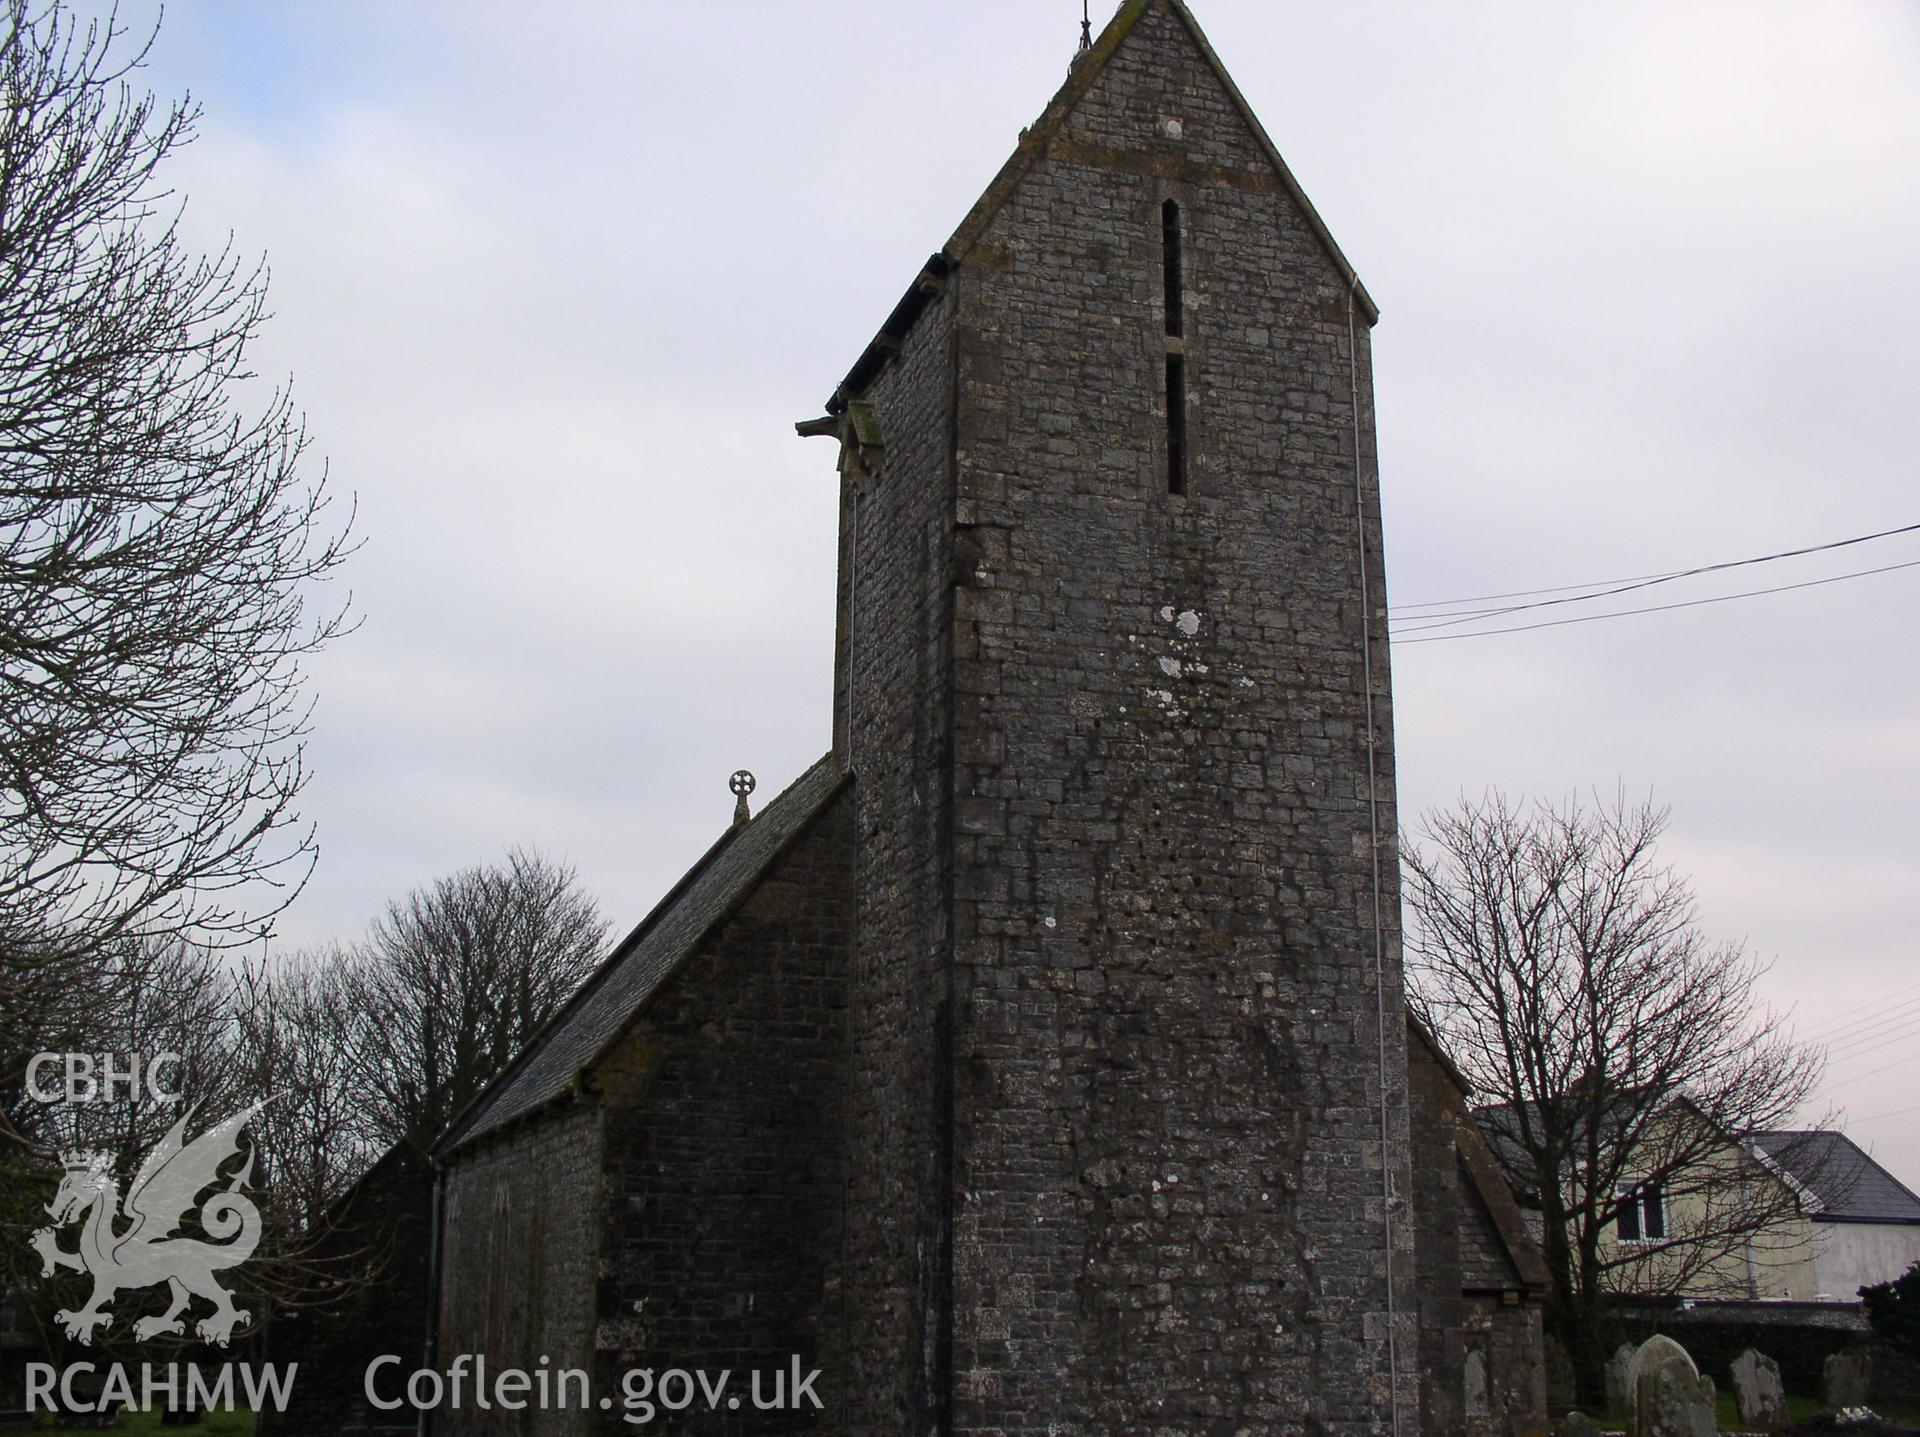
{"type": "Point", "coordinates": [1623, 1057]}
{"type": "Point", "coordinates": [232, 1039]}
{"type": "Point", "coordinates": [292, 1035]}
{"type": "Point", "coordinates": [130, 1004]}
{"type": "Point", "coordinates": [454, 980]}
{"type": "Point", "coordinates": [157, 535]}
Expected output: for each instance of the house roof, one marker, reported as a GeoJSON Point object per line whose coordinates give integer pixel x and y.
{"type": "Point", "coordinates": [1034, 141]}
{"type": "Point", "coordinates": [405, 1153]}
{"type": "Point", "coordinates": [1850, 1186]}
{"type": "Point", "coordinates": [1502, 1124]}
{"type": "Point", "coordinates": [1629, 1108]}
{"type": "Point", "coordinates": [547, 1070]}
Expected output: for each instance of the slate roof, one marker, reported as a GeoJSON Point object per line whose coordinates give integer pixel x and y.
{"type": "Point", "coordinates": [608, 1001]}
{"type": "Point", "coordinates": [1850, 1186]}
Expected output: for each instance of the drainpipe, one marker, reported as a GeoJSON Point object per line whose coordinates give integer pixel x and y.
{"type": "Point", "coordinates": [423, 1422]}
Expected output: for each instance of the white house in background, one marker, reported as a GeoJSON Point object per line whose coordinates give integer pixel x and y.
{"type": "Point", "coordinates": [1866, 1223]}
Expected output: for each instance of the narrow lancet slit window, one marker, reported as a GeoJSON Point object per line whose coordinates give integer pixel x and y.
{"type": "Point", "coordinates": [1173, 260]}
{"type": "Point", "coordinates": [1176, 424]}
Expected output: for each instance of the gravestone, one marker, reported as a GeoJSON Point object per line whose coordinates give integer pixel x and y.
{"type": "Point", "coordinates": [1620, 1382]}
{"type": "Point", "coordinates": [1576, 1424]}
{"type": "Point", "coordinates": [1670, 1397]}
{"type": "Point", "coordinates": [1757, 1390]}
{"type": "Point", "coordinates": [1675, 1402]}
{"type": "Point", "coordinates": [1473, 1386]}
{"type": "Point", "coordinates": [1848, 1380]}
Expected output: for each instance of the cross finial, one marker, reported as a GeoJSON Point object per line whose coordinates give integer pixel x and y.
{"type": "Point", "coordinates": [742, 784]}
{"type": "Point", "coordinates": [1086, 26]}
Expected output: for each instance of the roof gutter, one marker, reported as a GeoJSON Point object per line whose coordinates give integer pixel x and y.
{"type": "Point", "coordinates": [926, 287]}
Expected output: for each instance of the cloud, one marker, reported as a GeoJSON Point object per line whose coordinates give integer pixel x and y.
{"type": "Point", "coordinates": [555, 289]}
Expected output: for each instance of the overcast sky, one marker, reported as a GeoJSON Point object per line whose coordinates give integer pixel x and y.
{"type": "Point", "coordinates": [555, 282]}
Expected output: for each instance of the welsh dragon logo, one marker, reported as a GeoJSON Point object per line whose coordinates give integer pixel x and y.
{"type": "Point", "coordinates": [162, 1195]}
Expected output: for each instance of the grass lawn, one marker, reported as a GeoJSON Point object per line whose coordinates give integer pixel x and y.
{"type": "Point", "coordinates": [1805, 1409]}
{"type": "Point", "coordinates": [223, 1423]}
{"type": "Point", "coordinates": [217, 1424]}
{"type": "Point", "coordinates": [1799, 1409]}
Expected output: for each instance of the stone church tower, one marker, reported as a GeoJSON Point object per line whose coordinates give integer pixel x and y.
{"type": "Point", "coordinates": [1129, 1065]}
{"type": "Point", "coordinates": [1037, 1063]}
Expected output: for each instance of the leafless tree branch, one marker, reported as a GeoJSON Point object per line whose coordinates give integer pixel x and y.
{"type": "Point", "coordinates": [452, 982]}
{"type": "Point", "coordinates": [1616, 1048]}
{"type": "Point", "coordinates": [158, 537]}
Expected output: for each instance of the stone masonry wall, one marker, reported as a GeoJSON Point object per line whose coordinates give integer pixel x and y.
{"type": "Point", "coordinates": [519, 1261]}
{"type": "Point", "coordinates": [379, 1239]}
{"type": "Point", "coordinates": [1168, 1160]}
{"type": "Point", "coordinates": [1444, 1250]}
{"type": "Point", "coordinates": [1504, 1376]}
{"type": "Point", "coordinates": [1482, 1355]}
{"type": "Point", "coordinates": [897, 545]}
{"type": "Point", "coordinates": [724, 1151]}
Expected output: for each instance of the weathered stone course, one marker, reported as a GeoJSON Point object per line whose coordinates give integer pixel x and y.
{"type": "Point", "coordinates": [724, 1148]}
{"type": "Point", "coordinates": [519, 1257]}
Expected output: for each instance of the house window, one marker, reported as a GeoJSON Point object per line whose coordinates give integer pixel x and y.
{"type": "Point", "coordinates": [1643, 1213]}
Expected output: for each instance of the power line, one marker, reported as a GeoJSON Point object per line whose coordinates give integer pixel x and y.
{"type": "Point", "coordinates": [1906, 1021]}
{"type": "Point", "coordinates": [1884, 1040]}
{"type": "Point", "coordinates": [1425, 622]}
{"type": "Point", "coordinates": [1660, 608]}
{"type": "Point", "coordinates": [1846, 1017]}
{"type": "Point", "coordinates": [1608, 588]}
{"type": "Point", "coordinates": [1888, 1010]}
{"type": "Point", "coordinates": [1896, 1113]}
{"type": "Point", "coordinates": [1874, 1072]}
{"type": "Point", "coordinates": [1839, 1042]}
{"type": "Point", "coordinates": [1532, 593]}
{"type": "Point", "coordinates": [1887, 1041]}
